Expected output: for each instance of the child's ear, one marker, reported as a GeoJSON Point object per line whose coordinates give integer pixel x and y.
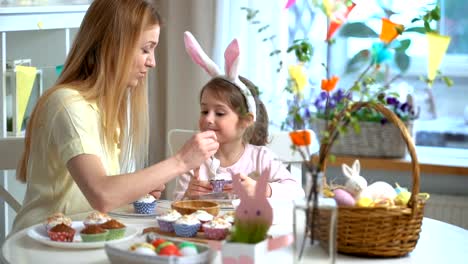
{"type": "Point", "coordinates": [247, 120]}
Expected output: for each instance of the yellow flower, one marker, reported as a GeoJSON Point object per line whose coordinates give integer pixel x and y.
{"type": "Point", "coordinates": [299, 77]}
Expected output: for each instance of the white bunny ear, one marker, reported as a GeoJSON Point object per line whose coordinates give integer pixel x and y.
{"type": "Point", "coordinates": [231, 60]}
{"type": "Point", "coordinates": [356, 167]}
{"type": "Point", "coordinates": [197, 54]}
{"type": "Point", "coordinates": [347, 171]}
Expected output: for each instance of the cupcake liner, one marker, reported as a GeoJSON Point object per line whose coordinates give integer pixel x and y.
{"type": "Point", "coordinates": [218, 185]}
{"type": "Point", "coordinates": [61, 236]}
{"type": "Point", "coordinates": [94, 237]}
{"type": "Point", "coordinates": [216, 233]}
{"type": "Point", "coordinates": [116, 233]}
{"type": "Point", "coordinates": [184, 230]}
{"type": "Point", "coordinates": [144, 208]}
{"type": "Point", "coordinates": [166, 226]}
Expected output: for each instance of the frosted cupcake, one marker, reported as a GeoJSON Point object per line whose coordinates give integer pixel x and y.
{"type": "Point", "coordinates": [229, 216]}
{"type": "Point", "coordinates": [96, 218]}
{"type": "Point", "coordinates": [145, 205]}
{"type": "Point", "coordinates": [166, 221]}
{"type": "Point", "coordinates": [187, 226]}
{"type": "Point", "coordinates": [218, 229]}
{"type": "Point", "coordinates": [203, 217]}
{"type": "Point", "coordinates": [56, 219]}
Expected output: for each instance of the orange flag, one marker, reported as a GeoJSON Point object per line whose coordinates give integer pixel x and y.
{"type": "Point", "coordinates": [390, 30]}
{"type": "Point", "coordinates": [336, 23]}
{"type": "Point", "coordinates": [300, 137]}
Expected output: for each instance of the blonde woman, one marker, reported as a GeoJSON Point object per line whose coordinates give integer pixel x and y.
{"type": "Point", "coordinates": [79, 152]}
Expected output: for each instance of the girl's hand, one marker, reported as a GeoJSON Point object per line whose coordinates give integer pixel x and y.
{"type": "Point", "coordinates": [157, 193]}
{"type": "Point", "coordinates": [249, 185]}
{"type": "Point", "coordinates": [198, 149]}
{"type": "Point", "coordinates": [197, 187]}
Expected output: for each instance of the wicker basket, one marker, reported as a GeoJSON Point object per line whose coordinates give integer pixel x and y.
{"type": "Point", "coordinates": [377, 232]}
{"type": "Point", "coordinates": [373, 140]}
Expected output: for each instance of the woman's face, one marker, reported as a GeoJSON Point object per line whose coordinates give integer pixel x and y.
{"type": "Point", "coordinates": [144, 55]}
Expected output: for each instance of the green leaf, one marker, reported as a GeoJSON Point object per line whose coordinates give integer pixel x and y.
{"type": "Point", "coordinates": [358, 61]}
{"type": "Point", "coordinates": [402, 61]}
{"type": "Point", "coordinates": [263, 28]}
{"type": "Point", "coordinates": [357, 30]}
{"type": "Point", "coordinates": [421, 30]}
{"type": "Point", "coordinates": [404, 44]}
{"type": "Point", "coordinates": [447, 81]}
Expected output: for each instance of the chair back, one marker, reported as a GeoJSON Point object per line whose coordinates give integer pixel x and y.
{"type": "Point", "coordinates": [177, 138]}
{"type": "Point", "coordinates": [10, 153]}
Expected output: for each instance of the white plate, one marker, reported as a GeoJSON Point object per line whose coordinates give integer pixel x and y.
{"type": "Point", "coordinates": [128, 211]}
{"type": "Point", "coordinates": [39, 233]}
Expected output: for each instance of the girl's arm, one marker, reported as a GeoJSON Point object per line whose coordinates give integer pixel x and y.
{"type": "Point", "coordinates": [106, 193]}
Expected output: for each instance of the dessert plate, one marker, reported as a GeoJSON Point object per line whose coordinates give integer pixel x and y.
{"type": "Point", "coordinates": [39, 233]}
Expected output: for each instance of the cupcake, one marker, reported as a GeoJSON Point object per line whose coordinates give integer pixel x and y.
{"type": "Point", "coordinates": [229, 216]}
{"type": "Point", "coordinates": [116, 229]}
{"type": "Point", "coordinates": [56, 219]}
{"type": "Point", "coordinates": [187, 226]}
{"type": "Point", "coordinates": [93, 233]}
{"type": "Point", "coordinates": [167, 220]}
{"type": "Point", "coordinates": [61, 233]}
{"type": "Point", "coordinates": [96, 218]}
{"type": "Point", "coordinates": [218, 184]}
{"type": "Point", "coordinates": [218, 229]}
{"type": "Point", "coordinates": [145, 205]}
{"type": "Point", "coordinates": [203, 217]}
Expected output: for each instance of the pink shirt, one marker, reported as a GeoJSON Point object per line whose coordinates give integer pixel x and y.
{"type": "Point", "coordinates": [255, 158]}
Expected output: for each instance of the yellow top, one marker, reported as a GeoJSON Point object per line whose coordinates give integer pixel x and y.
{"type": "Point", "coordinates": [68, 126]}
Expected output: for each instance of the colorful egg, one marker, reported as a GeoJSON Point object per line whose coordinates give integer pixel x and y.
{"type": "Point", "coordinates": [344, 198]}
{"type": "Point", "coordinates": [143, 248]}
{"type": "Point", "coordinates": [157, 242]}
{"type": "Point", "coordinates": [169, 250]}
{"type": "Point", "coordinates": [188, 249]}
{"type": "Point", "coordinates": [163, 245]}
{"type": "Point", "coordinates": [364, 202]}
{"type": "Point", "coordinates": [402, 198]}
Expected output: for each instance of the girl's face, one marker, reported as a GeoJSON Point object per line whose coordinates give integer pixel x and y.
{"type": "Point", "coordinates": [144, 55]}
{"type": "Point", "coordinates": [216, 115]}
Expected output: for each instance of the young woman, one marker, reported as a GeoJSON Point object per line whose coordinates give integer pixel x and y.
{"type": "Point", "coordinates": [231, 108]}
{"type": "Point", "coordinates": [86, 141]}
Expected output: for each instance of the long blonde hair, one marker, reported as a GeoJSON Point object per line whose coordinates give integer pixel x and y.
{"type": "Point", "coordinates": [98, 67]}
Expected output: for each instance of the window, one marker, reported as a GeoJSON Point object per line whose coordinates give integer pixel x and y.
{"type": "Point", "coordinates": [442, 122]}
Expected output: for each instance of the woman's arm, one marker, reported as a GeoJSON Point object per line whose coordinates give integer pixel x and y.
{"type": "Point", "coordinates": [107, 193]}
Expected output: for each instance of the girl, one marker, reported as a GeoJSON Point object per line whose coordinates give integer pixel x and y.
{"type": "Point", "coordinates": [79, 154]}
{"type": "Point", "coordinates": [230, 107]}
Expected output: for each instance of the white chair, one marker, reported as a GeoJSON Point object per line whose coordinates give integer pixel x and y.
{"type": "Point", "coordinates": [177, 137]}
{"type": "Point", "coordinates": [10, 153]}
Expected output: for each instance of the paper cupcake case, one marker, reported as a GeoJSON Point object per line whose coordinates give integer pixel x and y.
{"type": "Point", "coordinates": [184, 230]}
{"type": "Point", "coordinates": [215, 233]}
{"type": "Point", "coordinates": [144, 208]}
{"type": "Point", "coordinates": [166, 226]}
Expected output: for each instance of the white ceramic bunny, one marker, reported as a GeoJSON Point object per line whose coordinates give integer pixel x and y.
{"type": "Point", "coordinates": [355, 183]}
{"type": "Point", "coordinates": [379, 190]}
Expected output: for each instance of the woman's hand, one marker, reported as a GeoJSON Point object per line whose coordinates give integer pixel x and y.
{"type": "Point", "coordinates": [249, 185]}
{"type": "Point", "coordinates": [197, 187]}
{"type": "Point", "coordinates": [198, 149]}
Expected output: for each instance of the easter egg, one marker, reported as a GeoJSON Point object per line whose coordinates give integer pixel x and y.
{"type": "Point", "coordinates": [188, 249]}
{"type": "Point", "coordinates": [157, 242]}
{"type": "Point", "coordinates": [364, 202]}
{"type": "Point", "coordinates": [163, 245]}
{"type": "Point", "coordinates": [145, 251]}
{"type": "Point", "coordinates": [402, 198]}
{"type": "Point", "coordinates": [343, 197]}
{"type": "Point", "coordinates": [169, 250]}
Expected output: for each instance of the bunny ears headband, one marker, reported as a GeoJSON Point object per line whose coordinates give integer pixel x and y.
{"type": "Point", "coordinates": [231, 57]}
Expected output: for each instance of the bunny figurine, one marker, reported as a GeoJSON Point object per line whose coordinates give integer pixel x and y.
{"type": "Point", "coordinates": [254, 215]}
{"type": "Point", "coordinates": [355, 182]}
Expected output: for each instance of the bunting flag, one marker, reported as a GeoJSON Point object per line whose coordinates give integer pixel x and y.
{"type": "Point", "coordinates": [438, 45]}
{"type": "Point", "coordinates": [290, 3]}
{"type": "Point", "coordinates": [338, 21]}
{"type": "Point", "coordinates": [390, 30]}
{"type": "Point", "coordinates": [25, 77]}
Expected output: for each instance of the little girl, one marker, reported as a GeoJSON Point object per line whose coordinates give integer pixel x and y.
{"type": "Point", "coordinates": [230, 107]}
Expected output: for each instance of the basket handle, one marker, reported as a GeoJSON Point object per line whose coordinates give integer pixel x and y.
{"type": "Point", "coordinates": [325, 147]}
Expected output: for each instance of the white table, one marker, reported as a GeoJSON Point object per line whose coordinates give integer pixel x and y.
{"type": "Point", "coordinates": [439, 243]}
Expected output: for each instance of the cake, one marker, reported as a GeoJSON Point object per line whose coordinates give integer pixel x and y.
{"type": "Point", "coordinates": [166, 221]}
{"type": "Point", "coordinates": [56, 219]}
{"type": "Point", "coordinates": [61, 233]}
{"type": "Point", "coordinates": [96, 218]}
{"type": "Point", "coordinates": [93, 233]}
{"type": "Point", "coordinates": [145, 205]}
{"type": "Point", "coordinates": [202, 216]}
{"type": "Point", "coordinates": [116, 229]}
{"type": "Point", "coordinates": [217, 229]}
{"type": "Point", "coordinates": [187, 226]}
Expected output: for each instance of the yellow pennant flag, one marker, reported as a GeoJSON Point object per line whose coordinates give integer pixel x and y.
{"type": "Point", "coordinates": [438, 45]}
{"type": "Point", "coordinates": [25, 77]}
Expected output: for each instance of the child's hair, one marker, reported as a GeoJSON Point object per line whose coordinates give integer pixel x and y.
{"type": "Point", "coordinates": [228, 92]}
